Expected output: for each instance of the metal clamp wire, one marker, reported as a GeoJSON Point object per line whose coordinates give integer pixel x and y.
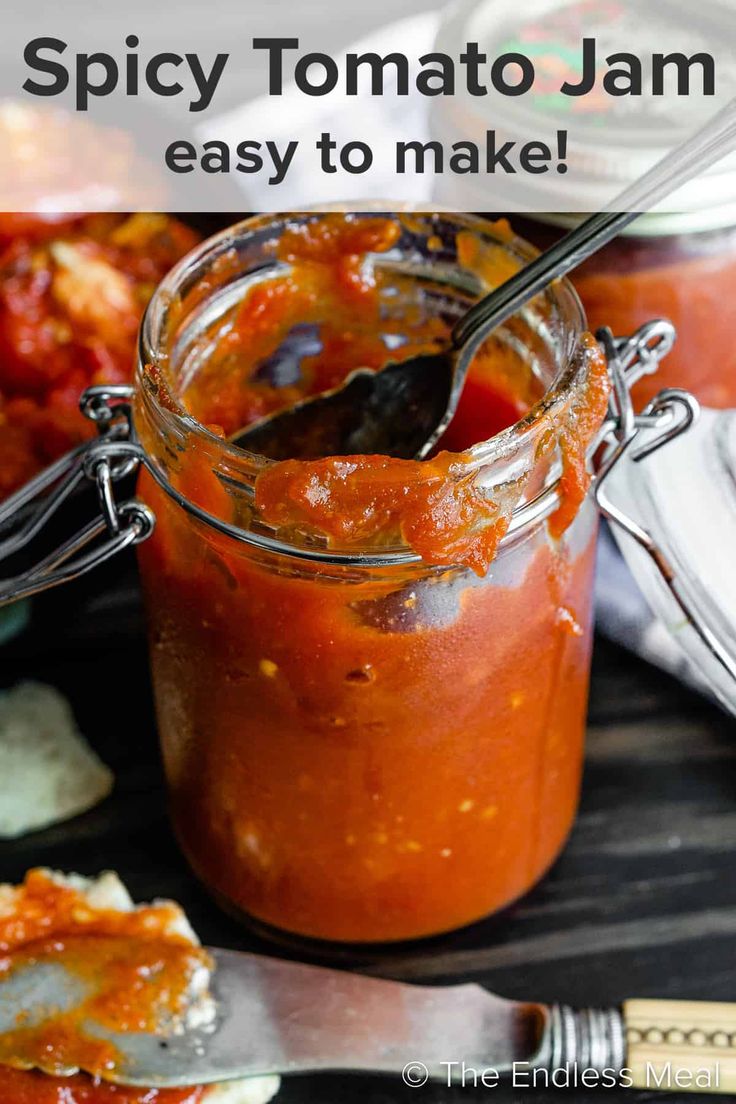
{"type": "Point", "coordinates": [104, 461]}
{"type": "Point", "coordinates": [51, 571]}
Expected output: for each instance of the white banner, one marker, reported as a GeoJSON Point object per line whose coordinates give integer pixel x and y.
{"type": "Point", "coordinates": [550, 105]}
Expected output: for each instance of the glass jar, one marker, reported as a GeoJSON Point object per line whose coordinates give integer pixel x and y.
{"type": "Point", "coordinates": [667, 266]}
{"type": "Point", "coordinates": [359, 745]}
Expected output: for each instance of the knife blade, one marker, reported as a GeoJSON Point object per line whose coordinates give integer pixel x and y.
{"type": "Point", "coordinates": [285, 1017]}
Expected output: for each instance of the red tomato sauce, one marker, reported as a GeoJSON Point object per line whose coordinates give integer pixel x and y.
{"type": "Point", "coordinates": [72, 292]}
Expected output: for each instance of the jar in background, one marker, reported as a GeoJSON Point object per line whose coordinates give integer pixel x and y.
{"type": "Point", "coordinates": [360, 746]}
{"type": "Point", "coordinates": [665, 267]}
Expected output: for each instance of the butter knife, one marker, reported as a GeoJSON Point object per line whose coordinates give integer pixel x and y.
{"type": "Point", "coordinates": [285, 1017]}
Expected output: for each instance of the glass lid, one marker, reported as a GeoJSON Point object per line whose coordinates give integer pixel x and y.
{"type": "Point", "coordinates": [625, 81]}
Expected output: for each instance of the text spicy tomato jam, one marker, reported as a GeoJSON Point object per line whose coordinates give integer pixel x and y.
{"type": "Point", "coordinates": [370, 675]}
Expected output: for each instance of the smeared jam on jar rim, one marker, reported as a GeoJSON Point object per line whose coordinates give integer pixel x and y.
{"type": "Point", "coordinates": [447, 509]}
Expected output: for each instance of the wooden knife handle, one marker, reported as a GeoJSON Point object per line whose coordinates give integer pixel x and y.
{"type": "Point", "coordinates": [681, 1045]}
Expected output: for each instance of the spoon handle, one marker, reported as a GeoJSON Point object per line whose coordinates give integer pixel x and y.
{"type": "Point", "coordinates": [711, 144]}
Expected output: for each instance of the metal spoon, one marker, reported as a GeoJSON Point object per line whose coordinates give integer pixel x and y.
{"type": "Point", "coordinates": [403, 409]}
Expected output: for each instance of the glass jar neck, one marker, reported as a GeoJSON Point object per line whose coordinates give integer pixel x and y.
{"type": "Point", "coordinates": [448, 261]}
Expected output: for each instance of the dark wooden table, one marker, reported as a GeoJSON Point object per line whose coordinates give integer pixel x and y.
{"type": "Point", "coordinates": [642, 903]}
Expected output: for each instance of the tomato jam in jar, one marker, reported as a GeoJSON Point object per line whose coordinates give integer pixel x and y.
{"type": "Point", "coordinates": [370, 674]}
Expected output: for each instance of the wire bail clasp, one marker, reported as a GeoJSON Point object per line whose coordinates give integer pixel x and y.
{"type": "Point", "coordinates": [635, 437]}
{"type": "Point", "coordinates": [666, 417]}
{"type": "Point", "coordinates": [112, 456]}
